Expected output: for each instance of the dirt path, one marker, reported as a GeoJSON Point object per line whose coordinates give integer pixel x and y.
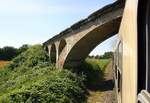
{"type": "Point", "coordinates": [105, 92]}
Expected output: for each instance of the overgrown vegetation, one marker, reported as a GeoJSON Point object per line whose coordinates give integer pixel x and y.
{"type": "Point", "coordinates": [30, 79]}
{"type": "Point", "coordinates": [94, 70]}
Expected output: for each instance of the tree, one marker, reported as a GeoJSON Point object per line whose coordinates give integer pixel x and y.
{"type": "Point", "coordinates": [108, 55]}
{"type": "Point", "coordinates": [7, 53]}
{"type": "Point", "coordinates": [23, 48]}
{"type": "Point", "coordinates": [97, 57]}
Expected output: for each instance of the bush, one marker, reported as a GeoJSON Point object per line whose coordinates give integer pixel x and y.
{"type": "Point", "coordinates": [30, 79]}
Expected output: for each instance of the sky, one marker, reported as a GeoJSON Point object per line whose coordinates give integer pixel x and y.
{"type": "Point", "coordinates": [35, 21]}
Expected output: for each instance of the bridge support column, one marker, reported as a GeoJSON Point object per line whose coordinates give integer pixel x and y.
{"type": "Point", "coordinates": [49, 52]}
{"type": "Point", "coordinates": [57, 53]}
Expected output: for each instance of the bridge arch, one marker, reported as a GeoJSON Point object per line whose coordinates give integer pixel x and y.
{"type": "Point", "coordinates": [62, 45]}
{"type": "Point", "coordinates": [53, 53]}
{"type": "Point", "coordinates": [82, 37]}
{"type": "Point", "coordinates": [88, 42]}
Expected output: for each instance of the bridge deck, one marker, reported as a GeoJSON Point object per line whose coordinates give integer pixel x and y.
{"type": "Point", "coordinates": [96, 15]}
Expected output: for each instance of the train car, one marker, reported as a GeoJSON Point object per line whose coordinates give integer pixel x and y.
{"type": "Point", "coordinates": [132, 54]}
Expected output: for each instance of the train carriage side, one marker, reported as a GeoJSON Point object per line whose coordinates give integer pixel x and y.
{"type": "Point", "coordinates": [131, 62]}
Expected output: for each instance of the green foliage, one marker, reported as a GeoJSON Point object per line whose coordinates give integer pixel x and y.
{"type": "Point", "coordinates": [23, 48]}
{"type": "Point", "coordinates": [103, 63]}
{"type": "Point", "coordinates": [30, 79]}
{"type": "Point", "coordinates": [8, 53]}
{"type": "Point", "coordinates": [33, 56]}
{"type": "Point", "coordinates": [94, 71]}
{"type": "Point", "coordinates": [107, 55]}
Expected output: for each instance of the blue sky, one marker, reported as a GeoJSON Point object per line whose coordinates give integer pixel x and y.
{"type": "Point", "coordinates": [35, 21]}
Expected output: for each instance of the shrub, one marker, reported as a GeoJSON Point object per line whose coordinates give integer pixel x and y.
{"type": "Point", "coordinates": [31, 79]}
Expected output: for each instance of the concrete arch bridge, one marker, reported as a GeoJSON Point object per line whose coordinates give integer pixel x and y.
{"type": "Point", "coordinates": [73, 45]}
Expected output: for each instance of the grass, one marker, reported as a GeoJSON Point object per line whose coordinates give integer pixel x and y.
{"type": "Point", "coordinates": [3, 63]}
{"type": "Point", "coordinates": [102, 63]}
{"type": "Point", "coordinates": [94, 70]}
{"type": "Point", "coordinates": [100, 90]}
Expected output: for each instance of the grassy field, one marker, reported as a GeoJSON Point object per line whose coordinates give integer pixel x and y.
{"type": "Point", "coordinates": [94, 70]}
{"type": "Point", "coordinates": [102, 63]}
{"type": "Point", "coordinates": [3, 63]}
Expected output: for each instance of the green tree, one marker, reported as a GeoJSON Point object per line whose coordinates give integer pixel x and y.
{"type": "Point", "coordinates": [23, 48]}
{"type": "Point", "coordinates": [7, 53]}
{"type": "Point", "coordinates": [108, 55]}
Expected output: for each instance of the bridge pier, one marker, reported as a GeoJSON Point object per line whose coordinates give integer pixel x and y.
{"type": "Point", "coordinates": [57, 53]}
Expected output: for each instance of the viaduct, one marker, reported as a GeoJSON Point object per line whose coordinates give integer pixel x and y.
{"type": "Point", "coordinates": [70, 47]}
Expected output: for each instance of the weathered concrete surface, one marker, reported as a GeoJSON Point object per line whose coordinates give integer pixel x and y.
{"type": "Point", "coordinates": [81, 38]}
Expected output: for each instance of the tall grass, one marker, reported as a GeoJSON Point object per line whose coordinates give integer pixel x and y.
{"type": "Point", "coordinates": [94, 70]}
{"type": "Point", "coordinates": [102, 63]}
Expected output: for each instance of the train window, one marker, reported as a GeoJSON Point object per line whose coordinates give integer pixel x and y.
{"type": "Point", "coordinates": [141, 45]}
{"type": "Point", "coordinates": [148, 47]}
{"type": "Point", "coordinates": [144, 45]}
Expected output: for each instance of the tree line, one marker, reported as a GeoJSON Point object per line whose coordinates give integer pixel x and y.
{"type": "Point", "coordinates": [9, 52]}
{"type": "Point", "coordinates": [106, 55]}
